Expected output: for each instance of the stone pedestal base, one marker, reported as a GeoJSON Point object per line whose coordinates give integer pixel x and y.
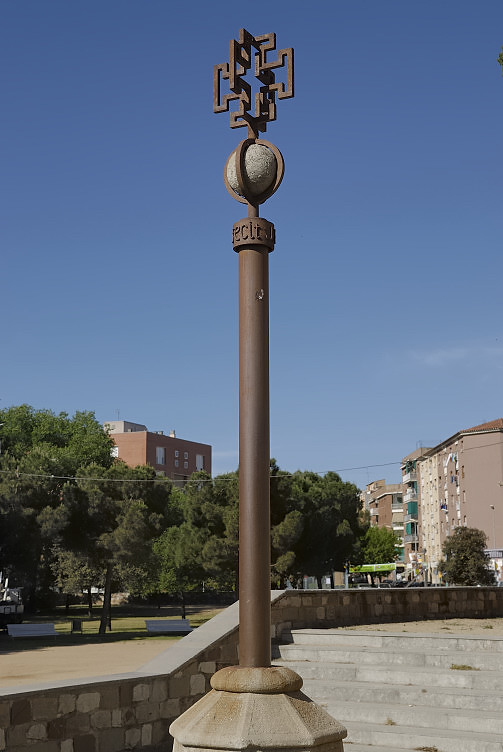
{"type": "Point", "coordinates": [256, 709]}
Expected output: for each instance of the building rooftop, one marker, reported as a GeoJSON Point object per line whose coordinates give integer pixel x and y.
{"type": "Point", "coordinates": [492, 425]}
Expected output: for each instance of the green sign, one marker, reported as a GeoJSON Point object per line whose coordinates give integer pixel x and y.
{"type": "Point", "coordinates": [374, 568]}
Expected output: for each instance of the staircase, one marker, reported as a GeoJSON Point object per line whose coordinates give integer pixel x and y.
{"type": "Point", "coordinates": [403, 691]}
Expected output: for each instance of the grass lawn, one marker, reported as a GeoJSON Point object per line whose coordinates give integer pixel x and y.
{"type": "Point", "coordinates": [128, 623]}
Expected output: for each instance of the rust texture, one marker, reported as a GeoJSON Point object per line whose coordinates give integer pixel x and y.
{"type": "Point", "coordinates": [251, 232]}
{"type": "Point", "coordinates": [253, 239]}
{"type": "Point", "coordinates": [245, 54]}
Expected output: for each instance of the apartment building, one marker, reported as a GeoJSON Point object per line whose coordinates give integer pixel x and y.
{"type": "Point", "coordinates": [384, 503]}
{"type": "Point", "coordinates": [411, 487]}
{"type": "Point", "coordinates": [457, 483]}
{"type": "Point", "coordinates": [167, 454]}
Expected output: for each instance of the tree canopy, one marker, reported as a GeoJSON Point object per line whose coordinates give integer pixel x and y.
{"type": "Point", "coordinates": [330, 521]}
{"type": "Point", "coordinates": [69, 512]}
{"type": "Point", "coordinates": [466, 562]}
{"type": "Point", "coordinates": [72, 517]}
{"type": "Point", "coordinates": [380, 546]}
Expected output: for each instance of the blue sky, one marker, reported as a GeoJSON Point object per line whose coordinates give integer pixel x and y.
{"type": "Point", "coordinates": [119, 289]}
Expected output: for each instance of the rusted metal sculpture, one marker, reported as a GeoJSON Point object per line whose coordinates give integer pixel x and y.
{"type": "Point", "coordinates": [254, 707]}
{"type": "Point", "coordinates": [244, 53]}
{"type": "Point", "coordinates": [252, 173]}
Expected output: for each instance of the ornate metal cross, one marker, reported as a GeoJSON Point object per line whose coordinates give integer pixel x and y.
{"type": "Point", "coordinates": [249, 52]}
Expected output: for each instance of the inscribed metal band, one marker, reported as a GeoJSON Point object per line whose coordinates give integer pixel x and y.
{"type": "Point", "coordinates": [253, 232]}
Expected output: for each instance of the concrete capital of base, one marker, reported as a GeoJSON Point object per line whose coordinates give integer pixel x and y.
{"type": "Point", "coordinates": [256, 721]}
{"type": "Point", "coordinates": [267, 681]}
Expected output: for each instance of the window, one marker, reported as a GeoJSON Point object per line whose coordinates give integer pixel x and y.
{"type": "Point", "coordinates": [185, 464]}
{"type": "Point", "coordinates": [160, 456]}
{"type": "Point", "coordinates": [199, 461]}
{"type": "Point", "coordinates": [177, 453]}
{"type": "Point", "coordinates": [177, 462]}
{"type": "Point", "coordinates": [185, 455]}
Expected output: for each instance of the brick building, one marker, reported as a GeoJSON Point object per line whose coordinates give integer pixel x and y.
{"type": "Point", "coordinates": [384, 502]}
{"type": "Point", "coordinates": [167, 454]}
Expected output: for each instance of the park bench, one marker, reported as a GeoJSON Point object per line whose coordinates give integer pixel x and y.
{"type": "Point", "coordinates": [31, 630]}
{"type": "Point", "coordinates": [168, 626]}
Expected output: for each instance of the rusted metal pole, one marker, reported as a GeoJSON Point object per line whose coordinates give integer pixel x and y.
{"type": "Point", "coordinates": [254, 504]}
{"type": "Point", "coordinates": [252, 181]}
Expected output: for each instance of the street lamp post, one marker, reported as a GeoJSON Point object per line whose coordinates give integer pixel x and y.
{"type": "Point", "coordinates": [254, 706]}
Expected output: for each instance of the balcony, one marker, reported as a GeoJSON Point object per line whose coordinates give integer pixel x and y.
{"type": "Point", "coordinates": [410, 517]}
{"type": "Point", "coordinates": [397, 507]}
{"type": "Point", "coordinates": [410, 496]}
{"type": "Point", "coordinates": [409, 477]}
{"type": "Point", "coordinates": [411, 539]}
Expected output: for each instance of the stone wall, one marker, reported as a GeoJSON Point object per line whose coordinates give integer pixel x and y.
{"type": "Point", "coordinates": [296, 609]}
{"type": "Point", "coordinates": [133, 711]}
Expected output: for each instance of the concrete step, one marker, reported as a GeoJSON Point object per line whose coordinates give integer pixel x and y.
{"type": "Point", "coordinates": [391, 714]}
{"type": "Point", "coordinates": [356, 692]}
{"type": "Point", "coordinates": [477, 659]}
{"type": "Point", "coordinates": [394, 640]}
{"type": "Point", "coordinates": [352, 747]}
{"type": "Point", "coordinates": [413, 738]}
{"type": "Point", "coordinates": [398, 692]}
{"type": "Point", "coordinates": [489, 681]}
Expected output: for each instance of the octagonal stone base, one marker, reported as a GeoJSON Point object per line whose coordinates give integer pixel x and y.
{"type": "Point", "coordinates": [256, 709]}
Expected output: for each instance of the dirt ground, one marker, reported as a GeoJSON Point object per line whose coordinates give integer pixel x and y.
{"type": "Point", "coordinates": [484, 627]}
{"type": "Point", "coordinates": [81, 661]}
{"type": "Point", "coordinates": [77, 661]}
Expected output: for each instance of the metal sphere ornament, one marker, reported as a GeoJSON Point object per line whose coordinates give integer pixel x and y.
{"type": "Point", "coordinates": [254, 171]}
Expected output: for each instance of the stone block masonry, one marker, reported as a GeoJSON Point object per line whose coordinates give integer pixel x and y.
{"type": "Point", "coordinates": [134, 711]}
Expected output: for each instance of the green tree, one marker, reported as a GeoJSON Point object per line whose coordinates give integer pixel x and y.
{"type": "Point", "coordinates": [74, 574]}
{"type": "Point", "coordinates": [500, 60]}
{"type": "Point", "coordinates": [284, 537]}
{"type": "Point", "coordinates": [178, 552]}
{"type": "Point", "coordinates": [466, 562]}
{"type": "Point", "coordinates": [211, 508]}
{"type": "Point", "coordinates": [67, 442]}
{"type": "Point", "coordinates": [126, 510]}
{"type": "Point", "coordinates": [40, 454]}
{"type": "Point", "coordinates": [380, 546]}
{"type": "Point", "coordinates": [205, 546]}
{"type": "Point", "coordinates": [331, 522]}
{"type": "Point", "coordinates": [287, 525]}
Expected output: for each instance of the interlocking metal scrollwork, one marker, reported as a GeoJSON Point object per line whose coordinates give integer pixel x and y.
{"type": "Point", "coordinates": [245, 54]}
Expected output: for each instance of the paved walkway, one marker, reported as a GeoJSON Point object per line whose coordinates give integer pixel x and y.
{"type": "Point", "coordinates": [82, 661]}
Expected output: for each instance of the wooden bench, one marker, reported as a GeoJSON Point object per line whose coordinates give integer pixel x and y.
{"type": "Point", "coordinates": [31, 630]}
{"type": "Point", "coordinates": [168, 626]}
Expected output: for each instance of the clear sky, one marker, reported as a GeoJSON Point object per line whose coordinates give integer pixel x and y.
{"type": "Point", "coordinates": [119, 282]}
